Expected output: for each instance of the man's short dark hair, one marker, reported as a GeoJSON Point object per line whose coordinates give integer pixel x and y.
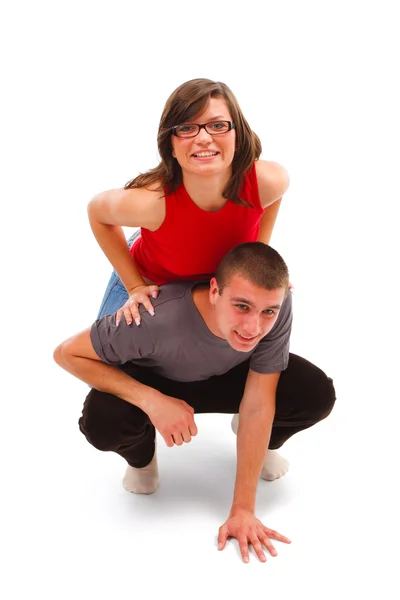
{"type": "Point", "coordinates": [257, 262]}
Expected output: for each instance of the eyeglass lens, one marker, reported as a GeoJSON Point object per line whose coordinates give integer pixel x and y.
{"type": "Point", "coordinates": [192, 129]}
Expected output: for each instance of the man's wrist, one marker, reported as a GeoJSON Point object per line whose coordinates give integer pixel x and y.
{"type": "Point", "coordinates": [244, 496]}
{"type": "Point", "coordinates": [147, 398]}
{"type": "Point", "coordinates": [238, 508]}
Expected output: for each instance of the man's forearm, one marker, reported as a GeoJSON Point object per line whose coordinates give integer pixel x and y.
{"type": "Point", "coordinates": [252, 444]}
{"type": "Point", "coordinates": [106, 378]}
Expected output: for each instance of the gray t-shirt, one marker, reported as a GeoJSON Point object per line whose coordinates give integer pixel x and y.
{"type": "Point", "coordinates": [177, 343]}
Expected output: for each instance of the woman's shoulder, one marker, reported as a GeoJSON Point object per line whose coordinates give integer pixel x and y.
{"type": "Point", "coordinates": [131, 207]}
{"type": "Point", "coordinates": [150, 202]}
{"type": "Point", "coordinates": [273, 181]}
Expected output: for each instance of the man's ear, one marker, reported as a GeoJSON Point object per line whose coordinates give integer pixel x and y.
{"type": "Point", "coordinates": [214, 290]}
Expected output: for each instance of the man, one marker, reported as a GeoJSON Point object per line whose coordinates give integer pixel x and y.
{"type": "Point", "coordinates": [221, 346]}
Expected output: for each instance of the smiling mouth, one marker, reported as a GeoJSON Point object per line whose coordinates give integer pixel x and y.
{"type": "Point", "coordinates": [205, 154]}
{"type": "Point", "coordinates": [246, 339]}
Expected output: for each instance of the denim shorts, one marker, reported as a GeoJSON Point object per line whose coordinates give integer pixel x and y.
{"type": "Point", "coordinates": [115, 295]}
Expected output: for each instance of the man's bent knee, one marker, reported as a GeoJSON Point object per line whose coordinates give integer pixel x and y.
{"type": "Point", "coordinates": [106, 420]}
{"type": "Point", "coordinates": [326, 398]}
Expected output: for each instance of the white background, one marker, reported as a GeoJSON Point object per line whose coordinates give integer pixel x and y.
{"type": "Point", "coordinates": [83, 87]}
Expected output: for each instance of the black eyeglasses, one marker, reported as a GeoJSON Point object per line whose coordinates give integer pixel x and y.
{"type": "Point", "coordinates": [188, 130]}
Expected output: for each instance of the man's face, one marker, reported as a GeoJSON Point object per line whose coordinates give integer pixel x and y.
{"type": "Point", "coordinates": [244, 312]}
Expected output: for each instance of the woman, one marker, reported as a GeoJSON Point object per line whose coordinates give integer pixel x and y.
{"type": "Point", "coordinates": [208, 194]}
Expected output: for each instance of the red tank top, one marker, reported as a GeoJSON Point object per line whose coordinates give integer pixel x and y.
{"type": "Point", "coordinates": [191, 242]}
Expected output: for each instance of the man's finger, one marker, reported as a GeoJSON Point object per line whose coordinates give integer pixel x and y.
{"type": "Point", "coordinates": [275, 535]}
{"type": "Point", "coordinates": [268, 544]}
{"type": "Point", "coordinates": [177, 437]}
{"type": "Point", "coordinates": [244, 549]}
{"type": "Point", "coordinates": [186, 436]}
{"type": "Point", "coordinates": [255, 542]}
{"type": "Point", "coordinates": [223, 536]}
{"type": "Point", "coordinates": [168, 440]}
{"type": "Point", "coordinates": [193, 429]}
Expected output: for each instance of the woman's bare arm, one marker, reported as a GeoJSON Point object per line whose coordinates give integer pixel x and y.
{"type": "Point", "coordinates": [273, 181]}
{"type": "Point", "coordinates": [111, 210]}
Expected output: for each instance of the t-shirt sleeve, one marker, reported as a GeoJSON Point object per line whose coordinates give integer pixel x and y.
{"type": "Point", "coordinates": [117, 345]}
{"type": "Point", "coordinates": [272, 353]}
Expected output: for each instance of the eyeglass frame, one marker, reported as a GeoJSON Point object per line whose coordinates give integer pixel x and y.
{"type": "Point", "coordinates": [203, 126]}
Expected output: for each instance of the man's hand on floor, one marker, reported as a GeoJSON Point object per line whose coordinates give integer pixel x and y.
{"type": "Point", "coordinates": [247, 529]}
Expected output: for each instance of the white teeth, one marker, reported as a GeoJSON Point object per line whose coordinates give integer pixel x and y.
{"type": "Point", "coordinates": [205, 154]}
{"type": "Point", "coordinates": [246, 338]}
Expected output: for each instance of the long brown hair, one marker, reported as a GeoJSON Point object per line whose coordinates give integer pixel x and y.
{"type": "Point", "coordinates": [185, 103]}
